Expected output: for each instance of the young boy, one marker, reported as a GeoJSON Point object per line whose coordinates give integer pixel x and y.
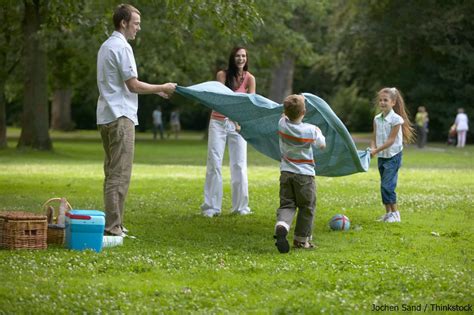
{"type": "Point", "coordinates": [297, 185]}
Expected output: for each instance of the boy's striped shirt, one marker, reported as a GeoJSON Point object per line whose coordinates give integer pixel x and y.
{"type": "Point", "coordinates": [296, 146]}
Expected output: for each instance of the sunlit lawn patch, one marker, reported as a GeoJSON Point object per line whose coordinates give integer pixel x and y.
{"type": "Point", "coordinates": [182, 262]}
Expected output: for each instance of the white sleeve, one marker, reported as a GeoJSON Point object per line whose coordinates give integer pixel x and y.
{"type": "Point", "coordinates": [127, 65]}
{"type": "Point", "coordinates": [398, 121]}
{"type": "Point", "coordinates": [281, 122]}
{"type": "Point", "coordinates": [456, 121]}
{"type": "Point", "coordinates": [319, 139]}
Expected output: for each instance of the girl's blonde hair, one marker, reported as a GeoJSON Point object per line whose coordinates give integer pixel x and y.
{"type": "Point", "coordinates": [400, 109]}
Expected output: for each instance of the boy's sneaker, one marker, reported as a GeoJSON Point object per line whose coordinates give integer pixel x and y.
{"type": "Point", "coordinates": [303, 245]}
{"type": "Point", "coordinates": [281, 241]}
{"type": "Point", "coordinates": [384, 217]}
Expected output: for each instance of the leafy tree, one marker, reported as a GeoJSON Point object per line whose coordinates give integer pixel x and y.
{"type": "Point", "coordinates": [10, 54]}
{"type": "Point", "coordinates": [35, 120]}
{"type": "Point", "coordinates": [188, 44]}
{"type": "Point", "coordinates": [173, 47]}
{"type": "Point", "coordinates": [354, 111]}
{"type": "Point", "coordinates": [48, 30]}
{"type": "Point", "coordinates": [341, 50]}
{"type": "Point", "coordinates": [72, 48]}
{"type": "Point", "coordinates": [289, 37]}
{"type": "Point", "coordinates": [422, 47]}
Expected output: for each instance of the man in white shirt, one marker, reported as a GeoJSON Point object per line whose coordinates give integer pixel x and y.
{"type": "Point", "coordinates": [117, 80]}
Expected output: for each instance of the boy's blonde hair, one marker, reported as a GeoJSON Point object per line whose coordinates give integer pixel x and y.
{"type": "Point", "coordinates": [294, 106]}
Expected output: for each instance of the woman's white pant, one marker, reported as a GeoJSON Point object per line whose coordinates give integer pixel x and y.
{"type": "Point", "coordinates": [221, 132]}
{"type": "Point", "coordinates": [461, 138]}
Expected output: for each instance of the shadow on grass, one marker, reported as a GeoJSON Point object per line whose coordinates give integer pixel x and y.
{"type": "Point", "coordinates": [192, 152]}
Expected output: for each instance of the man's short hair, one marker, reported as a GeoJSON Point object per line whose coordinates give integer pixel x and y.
{"type": "Point", "coordinates": [294, 106]}
{"type": "Point", "coordinates": [123, 12]}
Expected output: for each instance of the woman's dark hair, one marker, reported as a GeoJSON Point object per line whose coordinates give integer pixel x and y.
{"type": "Point", "coordinates": [231, 72]}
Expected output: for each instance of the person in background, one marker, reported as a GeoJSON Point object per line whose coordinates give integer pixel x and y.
{"type": "Point", "coordinates": [462, 126]}
{"type": "Point", "coordinates": [175, 123]}
{"type": "Point", "coordinates": [117, 80]}
{"type": "Point", "coordinates": [421, 123]}
{"type": "Point", "coordinates": [391, 129]}
{"type": "Point", "coordinates": [222, 130]}
{"type": "Point", "coordinates": [452, 135]}
{"type": "Point", "coordinates": [157, 123]}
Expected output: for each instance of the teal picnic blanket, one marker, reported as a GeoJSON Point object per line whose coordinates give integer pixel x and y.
{"type": "Point", "coordinates": [259, 116]}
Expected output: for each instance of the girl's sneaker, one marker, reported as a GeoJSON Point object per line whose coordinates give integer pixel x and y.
{"type": "Point", "coordinates": [397, 216]}
{"type": "Point", "coordinates": [393, 217]}
{"type": "Point", "coordinates": [384, 217]}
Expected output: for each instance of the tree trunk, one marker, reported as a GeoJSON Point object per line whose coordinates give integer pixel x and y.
{"type": "Point", "coordinates": [3, 106]}
{"type": "Point", "coordinates": [3, 78]}
{"type": "Point", "coordinates": [282, 79]}
{"type": "Point", "coordinates": [35, 120]}
{"type": "Point", "coordinates": [3, 117]}
{"type": "Point", "coordinates": [61, 110]}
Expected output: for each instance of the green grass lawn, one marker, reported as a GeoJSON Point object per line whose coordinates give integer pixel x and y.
{"type": "Point", "coordinates": [182, 262]}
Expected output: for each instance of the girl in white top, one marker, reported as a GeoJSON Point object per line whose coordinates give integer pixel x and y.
{"type": "Point", "coordinates": [462, 126]}
{"type": "Point", "coordinates": [391, 129]}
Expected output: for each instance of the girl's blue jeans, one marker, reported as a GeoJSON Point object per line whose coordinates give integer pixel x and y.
{"type": "Point", "coordinates": [388, 169]}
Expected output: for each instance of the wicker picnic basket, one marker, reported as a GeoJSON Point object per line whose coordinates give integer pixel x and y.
{"type": "Point", "coordinates": [22, 230]}
{"type": "Point", "coordinates": [56, 232]}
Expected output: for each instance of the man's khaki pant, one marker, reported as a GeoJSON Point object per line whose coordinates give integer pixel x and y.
{"type": "Point", "coordinates": [118, 139]}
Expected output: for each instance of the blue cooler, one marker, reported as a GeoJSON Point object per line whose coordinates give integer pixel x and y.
{"type": "Point", "coordinates": [85, 229]}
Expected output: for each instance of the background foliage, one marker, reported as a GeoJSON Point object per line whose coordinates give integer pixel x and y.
{"type": "Point", "coordinates": [343, 51]}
